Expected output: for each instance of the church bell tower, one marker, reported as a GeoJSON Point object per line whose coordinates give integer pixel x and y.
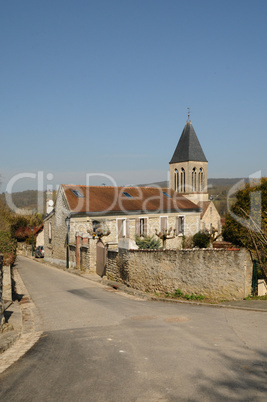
{"type": "Point", "coordinates": [189, 167]}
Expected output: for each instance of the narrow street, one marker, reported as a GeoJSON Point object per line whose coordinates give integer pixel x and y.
{"type": "Point", "coordinates": [99, 345]}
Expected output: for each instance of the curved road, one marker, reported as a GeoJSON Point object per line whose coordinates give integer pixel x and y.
{"type": "Point", "coordinates": [101, 345]}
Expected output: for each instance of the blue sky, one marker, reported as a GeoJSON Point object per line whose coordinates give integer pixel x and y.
{"type": "Point", "coordinates": [103, 87]}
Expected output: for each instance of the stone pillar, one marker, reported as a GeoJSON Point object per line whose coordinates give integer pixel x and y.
{"type": "Point", "coordinates": [78, 251]}
{"type": "Point", "coordinates": [2, 319]}
{"type": "Point", "coordinates": [85, 240]}
{"type": "Point", "coordinates": [7, 285]}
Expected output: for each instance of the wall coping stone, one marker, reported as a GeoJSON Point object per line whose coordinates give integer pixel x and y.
{"type": "Point", "coordinates": [188, 250]}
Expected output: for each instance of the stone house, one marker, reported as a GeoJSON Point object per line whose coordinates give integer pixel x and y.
{"type": "Point", "coordinates": [210, 217]}
{"type": "Point", "coordinates": [124, 212]}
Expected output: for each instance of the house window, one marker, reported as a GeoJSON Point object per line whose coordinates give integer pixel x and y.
{"type": "Point", "coordinates": [123, 228]}
{"type": "Point", "coordinates": [95, 225]}
{"type": "Point", "coordinates": [141, 227]}
{"type": "Point", "coordinates": [77, 193]}
{"type": "Point", "coordinates": [127, 194]}
{"type": "Point", "coordinates": [166, 194]}
{"type": "Point", "coordinates": [180, 225]}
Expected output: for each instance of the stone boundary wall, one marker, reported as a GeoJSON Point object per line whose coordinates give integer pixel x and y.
{"type": "Point", "coordinates": [219, 274]}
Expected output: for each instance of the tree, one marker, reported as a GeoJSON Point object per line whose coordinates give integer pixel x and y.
{"type": "Point", "coordinates": [5, 215]}
{"type": "Point", "coordinates": [164, 235]}
{"type": "Point", "coordinates": [201, 240]}
{"type": "Point", "coordinates": [246, 222]}
{"type": "Point", "coordinates": [8, 248]}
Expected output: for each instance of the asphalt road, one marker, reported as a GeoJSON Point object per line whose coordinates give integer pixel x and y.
{"type": "Point", "coordinates": [99, 345]}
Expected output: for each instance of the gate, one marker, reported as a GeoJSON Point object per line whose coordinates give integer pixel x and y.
{"type": "Point", "coordinates": [255, 278]}
{"type": "Point", "coordinates": [101, 258]}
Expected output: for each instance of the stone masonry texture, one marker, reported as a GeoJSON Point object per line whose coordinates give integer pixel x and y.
{"type": "Point", "coordinates": [219, 274]}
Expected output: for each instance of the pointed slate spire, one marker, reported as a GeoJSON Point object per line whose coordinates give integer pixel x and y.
{"type": "Point", "coordinates": [188, 148]}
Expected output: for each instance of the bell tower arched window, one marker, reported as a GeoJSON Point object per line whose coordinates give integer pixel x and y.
{"type": "Point", "coordinates": [176, 180]}
{"type": "Point", "coordinates": [194, 179]}
{"type": "Point", "coordinates": [182, 186]}
{"type": "Point", "coordinates": [200, 179]}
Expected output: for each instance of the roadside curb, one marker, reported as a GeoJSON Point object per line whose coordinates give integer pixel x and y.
{"type": "Point", "coordinates": [134, 292]}
{"type": "Point", "coordinates": [28, 333]}
{"type": "Point", "coordinates": [146, 296]}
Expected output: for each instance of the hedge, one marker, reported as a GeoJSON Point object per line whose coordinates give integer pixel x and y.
{"type": "Point", "coordinates": [8, 248]}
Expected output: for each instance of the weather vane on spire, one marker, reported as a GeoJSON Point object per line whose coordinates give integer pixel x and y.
{"type": "Point", "coordinates": [188, 113]}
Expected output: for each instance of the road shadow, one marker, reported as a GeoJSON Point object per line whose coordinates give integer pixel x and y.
{"type": "Point", "coordinates": [241, 378]}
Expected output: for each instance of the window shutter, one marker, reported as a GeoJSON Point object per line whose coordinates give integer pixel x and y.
{"type": "Point", "coordinates": [163, 223]}
{"type": "Point", "coordinates": [137, 227]}
{"type": "Point", "coordinates": [127, 228]}
{"type": "Point", "coordinates": [177, 225]}
{"type": "Point", "coordinates": [119, 228]}
{"type": "Point", "coordinates": [146, 226]}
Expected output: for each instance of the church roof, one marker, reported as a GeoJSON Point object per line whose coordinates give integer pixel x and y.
{"type": "Point", "coordinates": [188, 148]}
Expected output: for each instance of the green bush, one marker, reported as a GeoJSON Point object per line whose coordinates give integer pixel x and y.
{"type": "Point", "coordinates": [8, 248]}
{"type": "Point", "coordinates": [201, 240]}
{"type": "Point", "coordinates": [179, 293]}
{"type": "Point", "coordinates": [147, 242]}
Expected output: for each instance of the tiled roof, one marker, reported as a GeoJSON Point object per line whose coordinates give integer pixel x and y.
{"type": "Point", "coordinates": [107, 200]}
{"type": "Point", "coordinates": [188, 148]}
{"type": "Point", "coordinates": [26, 231]}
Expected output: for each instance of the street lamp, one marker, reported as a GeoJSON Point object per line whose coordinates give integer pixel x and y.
{"type": "Point", "coordinates": [67, 221]}
{"type": "Point", "coordinates": [32, 240]}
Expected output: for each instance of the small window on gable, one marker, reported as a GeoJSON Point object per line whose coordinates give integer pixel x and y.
{"type": "Point", "coordinates": [77, 193]}
{"type": "Point", "coordinates": [127, 194]}
{"type": "Point", "coordinates": [50, 232]}
{"type": "Point", "coordinates": [166, 194]}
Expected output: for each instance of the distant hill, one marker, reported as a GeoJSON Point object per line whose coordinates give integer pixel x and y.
{"type": "Point", "coordinates": [211, 182]}
{"type": "Point", "coordinates": [26, 199]}
{"type": "Point", "coordinates": [223, 182]}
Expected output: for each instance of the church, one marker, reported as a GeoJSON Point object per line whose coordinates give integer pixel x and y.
{"type": "Point", "coordinates": [188, 175]}
{"type": "Point", "coordinates": [117, 214]}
